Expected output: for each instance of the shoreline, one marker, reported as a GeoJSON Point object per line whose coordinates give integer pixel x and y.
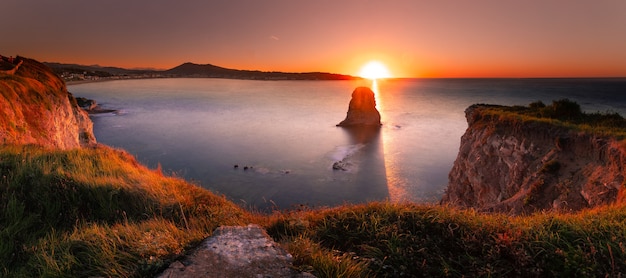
{"type": "Point", "coordinates": [78, 82]}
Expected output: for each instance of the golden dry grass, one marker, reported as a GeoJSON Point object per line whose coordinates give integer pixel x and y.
{"type": "Point", "coordinates": [98, 212]}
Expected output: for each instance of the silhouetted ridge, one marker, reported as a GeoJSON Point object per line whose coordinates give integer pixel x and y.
{"type": "Point", "coordinates": [212, 71]}
{"type": "Point", "coordinates": [191, 69]}
{"type": "Point", "coordinates": [74, 72]}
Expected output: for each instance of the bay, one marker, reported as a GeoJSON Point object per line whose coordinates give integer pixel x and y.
{"type": "Point", "coordinates": [285, 133]}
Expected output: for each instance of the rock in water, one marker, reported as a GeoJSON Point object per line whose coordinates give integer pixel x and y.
{"type": "Point", "coordinates": [362, 110]}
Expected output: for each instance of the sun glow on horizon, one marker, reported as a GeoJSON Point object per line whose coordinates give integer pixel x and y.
{"type": "Point", "coordinates": [374, 70]}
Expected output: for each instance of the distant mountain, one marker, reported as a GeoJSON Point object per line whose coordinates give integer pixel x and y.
{"type": "Point", "coordinates": [208, 70]}
{"type": "Point", "coordinates": [196, 70]}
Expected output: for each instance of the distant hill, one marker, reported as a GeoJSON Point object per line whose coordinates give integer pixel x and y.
{"type": "Point", "coordinates": [208, 70]}
{"type": "Point", "coordinates": [194, 70]}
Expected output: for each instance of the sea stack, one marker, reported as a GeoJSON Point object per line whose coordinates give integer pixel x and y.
{"type": "Point", "coordinates": [362, 110]}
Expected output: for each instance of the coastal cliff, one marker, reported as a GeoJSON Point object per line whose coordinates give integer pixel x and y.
{"type": "Point", "coordinates": [36, 108]}
{"type": "Point", "coordinates": [519, 160]}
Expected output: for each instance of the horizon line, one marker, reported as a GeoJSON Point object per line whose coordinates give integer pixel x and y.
{"type": "Point", "coordinates": [352, 75]}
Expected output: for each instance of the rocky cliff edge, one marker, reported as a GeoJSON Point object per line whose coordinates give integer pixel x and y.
{"type": "Point", "coordinates": [514, 162]}
{"type": "Point", "coordinates": [36, 108]}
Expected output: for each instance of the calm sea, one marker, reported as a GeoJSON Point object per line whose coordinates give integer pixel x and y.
{"type": "Point", "coordinates": [285, 133]}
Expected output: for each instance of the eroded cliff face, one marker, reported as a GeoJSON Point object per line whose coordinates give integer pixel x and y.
{"type": "Point", "coordinates": [36, 108]}
{"type": "Point", "coordinates": [519, 166]}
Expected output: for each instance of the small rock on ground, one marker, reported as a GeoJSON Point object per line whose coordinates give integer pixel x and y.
{"type": "Point", "coordinates": [236, 251]}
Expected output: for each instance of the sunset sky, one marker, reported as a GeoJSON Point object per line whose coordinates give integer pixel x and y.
{"type": "Point", "coordinates": [478, 38]}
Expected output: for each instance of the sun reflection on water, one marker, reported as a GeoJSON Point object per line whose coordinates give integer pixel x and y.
{"type": "Point", "coordinates": [395, 183]}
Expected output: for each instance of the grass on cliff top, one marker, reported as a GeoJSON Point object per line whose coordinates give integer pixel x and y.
{"type": "Point", "coordinates": [97, 212]}
{"type": "Point", "coordinates": [405, 240]}
{"type": "Point", "coordinates": [565, 113]}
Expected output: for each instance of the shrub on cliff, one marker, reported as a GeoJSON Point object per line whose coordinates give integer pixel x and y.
{"type": "Point", "coordinates": [564, 110]}
{"type": "Point", "coordinates": [537, 105]}
{"type": "Point", "coordinates": [569, 111]}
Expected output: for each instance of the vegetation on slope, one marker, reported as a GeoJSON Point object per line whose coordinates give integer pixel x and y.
{"type": "Point", "coordinates": [564, 113]}
{"type": "Point", "coordinates": [405, 240]}
{"type": "Point", "coordinates": [97, 212]}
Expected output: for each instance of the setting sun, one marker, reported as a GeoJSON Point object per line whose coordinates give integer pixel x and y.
{"type": "Point", "coordinates": [374, 70]}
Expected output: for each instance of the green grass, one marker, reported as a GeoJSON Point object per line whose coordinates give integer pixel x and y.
{"type": "Point", "coordinates": [88, 212]}
{"type": "Point", "coordinates": [561, 113]}
{"type": "Point", "coordinates": [405, 240]}
{"type": "Point", "coordinates": [97, 212]}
